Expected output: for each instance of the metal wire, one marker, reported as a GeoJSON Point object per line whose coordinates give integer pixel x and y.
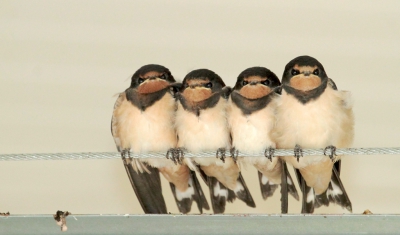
{"type": "Point", "coordinates": [113, 155]}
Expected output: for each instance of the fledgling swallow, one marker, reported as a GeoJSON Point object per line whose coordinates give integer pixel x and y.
{"type": "Point", "coordinates": [312, 113]}
{"type": "Point", "coordinates": [251, 117]}
{"type": "Point", "coordinates": [142, 122]}
{"type": "Point", "coordinates": [201, 125]}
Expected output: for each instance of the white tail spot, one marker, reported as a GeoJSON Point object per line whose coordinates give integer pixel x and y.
{"type": "Point", "coordinates": [289, 181]}
{"type": "Point", "coordinates": [335, 190]}
{"type": "Point", "coordinates": [264, 180]}
{"type": "Point", "coordinates": [310, 196]}
{"type": "Point", "coordinates": [239, 187]}
{"type": "Point", "coordinates": [219, 192]}
{"type": "Point", "coordinates": [187, 194]}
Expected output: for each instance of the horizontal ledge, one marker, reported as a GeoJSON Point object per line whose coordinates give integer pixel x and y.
{"type": "Point", "coordinates": [114, 155]}
{"type": "Point", "coordinates": [204, 224]}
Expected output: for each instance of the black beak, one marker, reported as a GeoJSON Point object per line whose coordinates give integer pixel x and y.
{"type": "Point", "coordinates": [175, 86]}
{"type": "Point", "coordinates": [253, 83]}
{"type": "Point", "coordinates": [307, 73]}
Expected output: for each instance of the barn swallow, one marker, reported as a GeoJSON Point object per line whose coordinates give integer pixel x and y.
{"type": "Point", "coordinates": [142, 122]}
{"type": "Point", "coordinates": [312, 113]}
{"type": "Point", "coordinates": [251, 117]}
{"type": "Point", "coordinates": [201, 125]}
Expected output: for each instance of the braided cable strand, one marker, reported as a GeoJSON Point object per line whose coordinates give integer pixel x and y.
{"type": "Point", "coordinates": [113, 155]}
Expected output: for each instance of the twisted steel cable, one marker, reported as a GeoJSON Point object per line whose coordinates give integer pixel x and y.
{"type": "Point", "coordinates": [113, 155]}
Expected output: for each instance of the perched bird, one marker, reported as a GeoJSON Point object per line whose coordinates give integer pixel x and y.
{"type": "Point", "coordinates": [201, 125]}
{"type": "Point", "coordinates": [312, 113]}
{"type": "Point", "coordinates": [251, 117]}
{"type": "Point", "coordinates": [142, 122]}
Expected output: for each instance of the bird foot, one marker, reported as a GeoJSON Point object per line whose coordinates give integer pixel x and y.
{"type": "Point", "coordinates": [234, 154]}
{"type": "Point", "coordinates": [332, 153]}
{"type": "Point", "coordinates": [221, 154]}
{"type": "Point", "coordinates": [126, 156]}
{"type": "Point", "coordinates": [176, 155]}
{"type": "Point", "coordinates": [269, 153]}
{"type": "Point", "coordinates": [298, 152]}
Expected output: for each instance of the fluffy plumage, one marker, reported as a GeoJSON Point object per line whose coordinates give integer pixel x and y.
{"type": "Point", "coordinates": [201, 125]}
{"type": "Point", "coordinates": [251, 118]}
{"type": "Point", "coordinates": [314, 117]}
{"type": "Point", "coordinates": [143, 121]}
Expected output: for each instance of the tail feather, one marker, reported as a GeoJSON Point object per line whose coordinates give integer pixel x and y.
{"type": "Point", "coordinates": [321, 200]}
{"type": "Point", "coordinates": [287, 187]}
{"type": "Point", "coordinates": [219, 195]}
{"type": "Point", "coordinates": [147, 187]}
{"type": "Point", "coordinates": [308, 197]}
{"type": "Point", "coordinates": [284, 191]}
{"type": "Point", "coordinates": [243, 193]}
{"type": "Point", "coordinates": [194, 192]}
{"type": "Point", "coordinates": [338, 166]}
{"type": "Point", "coordinates": [267, 187]}
{"type": "Point", "coordinates": [199, 196]}
{"type": "Point", "coordinates": [336, 192]}
{"type": "Point", "coordinates": [182, 199]}
{"type": "Point", "coordinates": [291, 187]}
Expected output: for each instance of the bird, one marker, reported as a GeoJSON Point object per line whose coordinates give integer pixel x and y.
{"type": "Point", "coordinates": [251, 118]}
{"type": "Point", "coordinates": [201, 124]}
{"type": "Point", "coordinates": [313, 113]}
{"type": "Point", "coordinates": [143, 122]}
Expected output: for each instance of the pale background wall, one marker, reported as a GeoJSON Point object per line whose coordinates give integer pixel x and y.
{"type": "Point", "coordinates": [61, 62]}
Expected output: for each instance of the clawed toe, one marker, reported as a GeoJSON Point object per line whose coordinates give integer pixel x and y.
{"type": "Point", "coordinates": [234, 154]}
{"type": "Point", "coordinates": [332, 153]}
{"type": "Point", "coordinates": [126, 156]}
{"type": "Point", "coordinates": [269, 153]}
{"type": "Point", "coordinates": [298, 152]}
{"type": "Point", "coordinates": [176, 155]}
{"type": "Point", "coordinates": [221, 154]}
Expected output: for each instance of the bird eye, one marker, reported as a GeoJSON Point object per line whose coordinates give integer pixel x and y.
{"type": "Point", "coordinates": [266, 82]}
{"type": "Point", "coordinates": [295, 72]}
{"type": "Point", "coordinates": [208, 85]}
{"type": "Point", "coordinates": [140, 80]}
{"type": "Point", "coordinates": [244, 83]}
{"type": "Point", "coordinates": [163, 76]}
{"type": "Point", "coordinates": [316, 72]}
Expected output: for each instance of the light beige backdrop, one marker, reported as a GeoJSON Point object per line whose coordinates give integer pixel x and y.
{"type": "Point", "coordinates": [62, 62]}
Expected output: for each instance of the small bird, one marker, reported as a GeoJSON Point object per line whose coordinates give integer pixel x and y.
{"type": "Point", "coordinates": [251, 117]}
{"type": "Point", "coordinates": [142, 122]}
{"type": "Point", "coordinates": [201, 125]}
{"type": "Point", "coordinates": [312, 113]}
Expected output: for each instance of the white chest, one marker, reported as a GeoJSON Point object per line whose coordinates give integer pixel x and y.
{"type": "Point", "coordinates": [317, 124]}
{"type": "Point", "coordinates": [149, 130]}
{"type": "Point", "coordinates": [251, 133]}
{"type": "Point", "coordinates": [206, 132]}
{"type": "Point", "coordinates": [325, 121]}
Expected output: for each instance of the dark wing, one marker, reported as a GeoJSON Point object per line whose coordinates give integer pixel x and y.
{"type": "Point", "coordinates": [287, 186]}
{"type": "Point", "coordinates": [147, 187]}
{"type": "Point", "coordinates": [307, 206]}
{"type": "Point", "coordinates": [114, 120]}
{"type": "Point", "coordinates": [334, 87]}
{"type": "Point", "coordinates": [145, 180]}
{"type": "Point", "coordinates": [332, 84]}
{"type": "Point", "coordinates": [244, 194]}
